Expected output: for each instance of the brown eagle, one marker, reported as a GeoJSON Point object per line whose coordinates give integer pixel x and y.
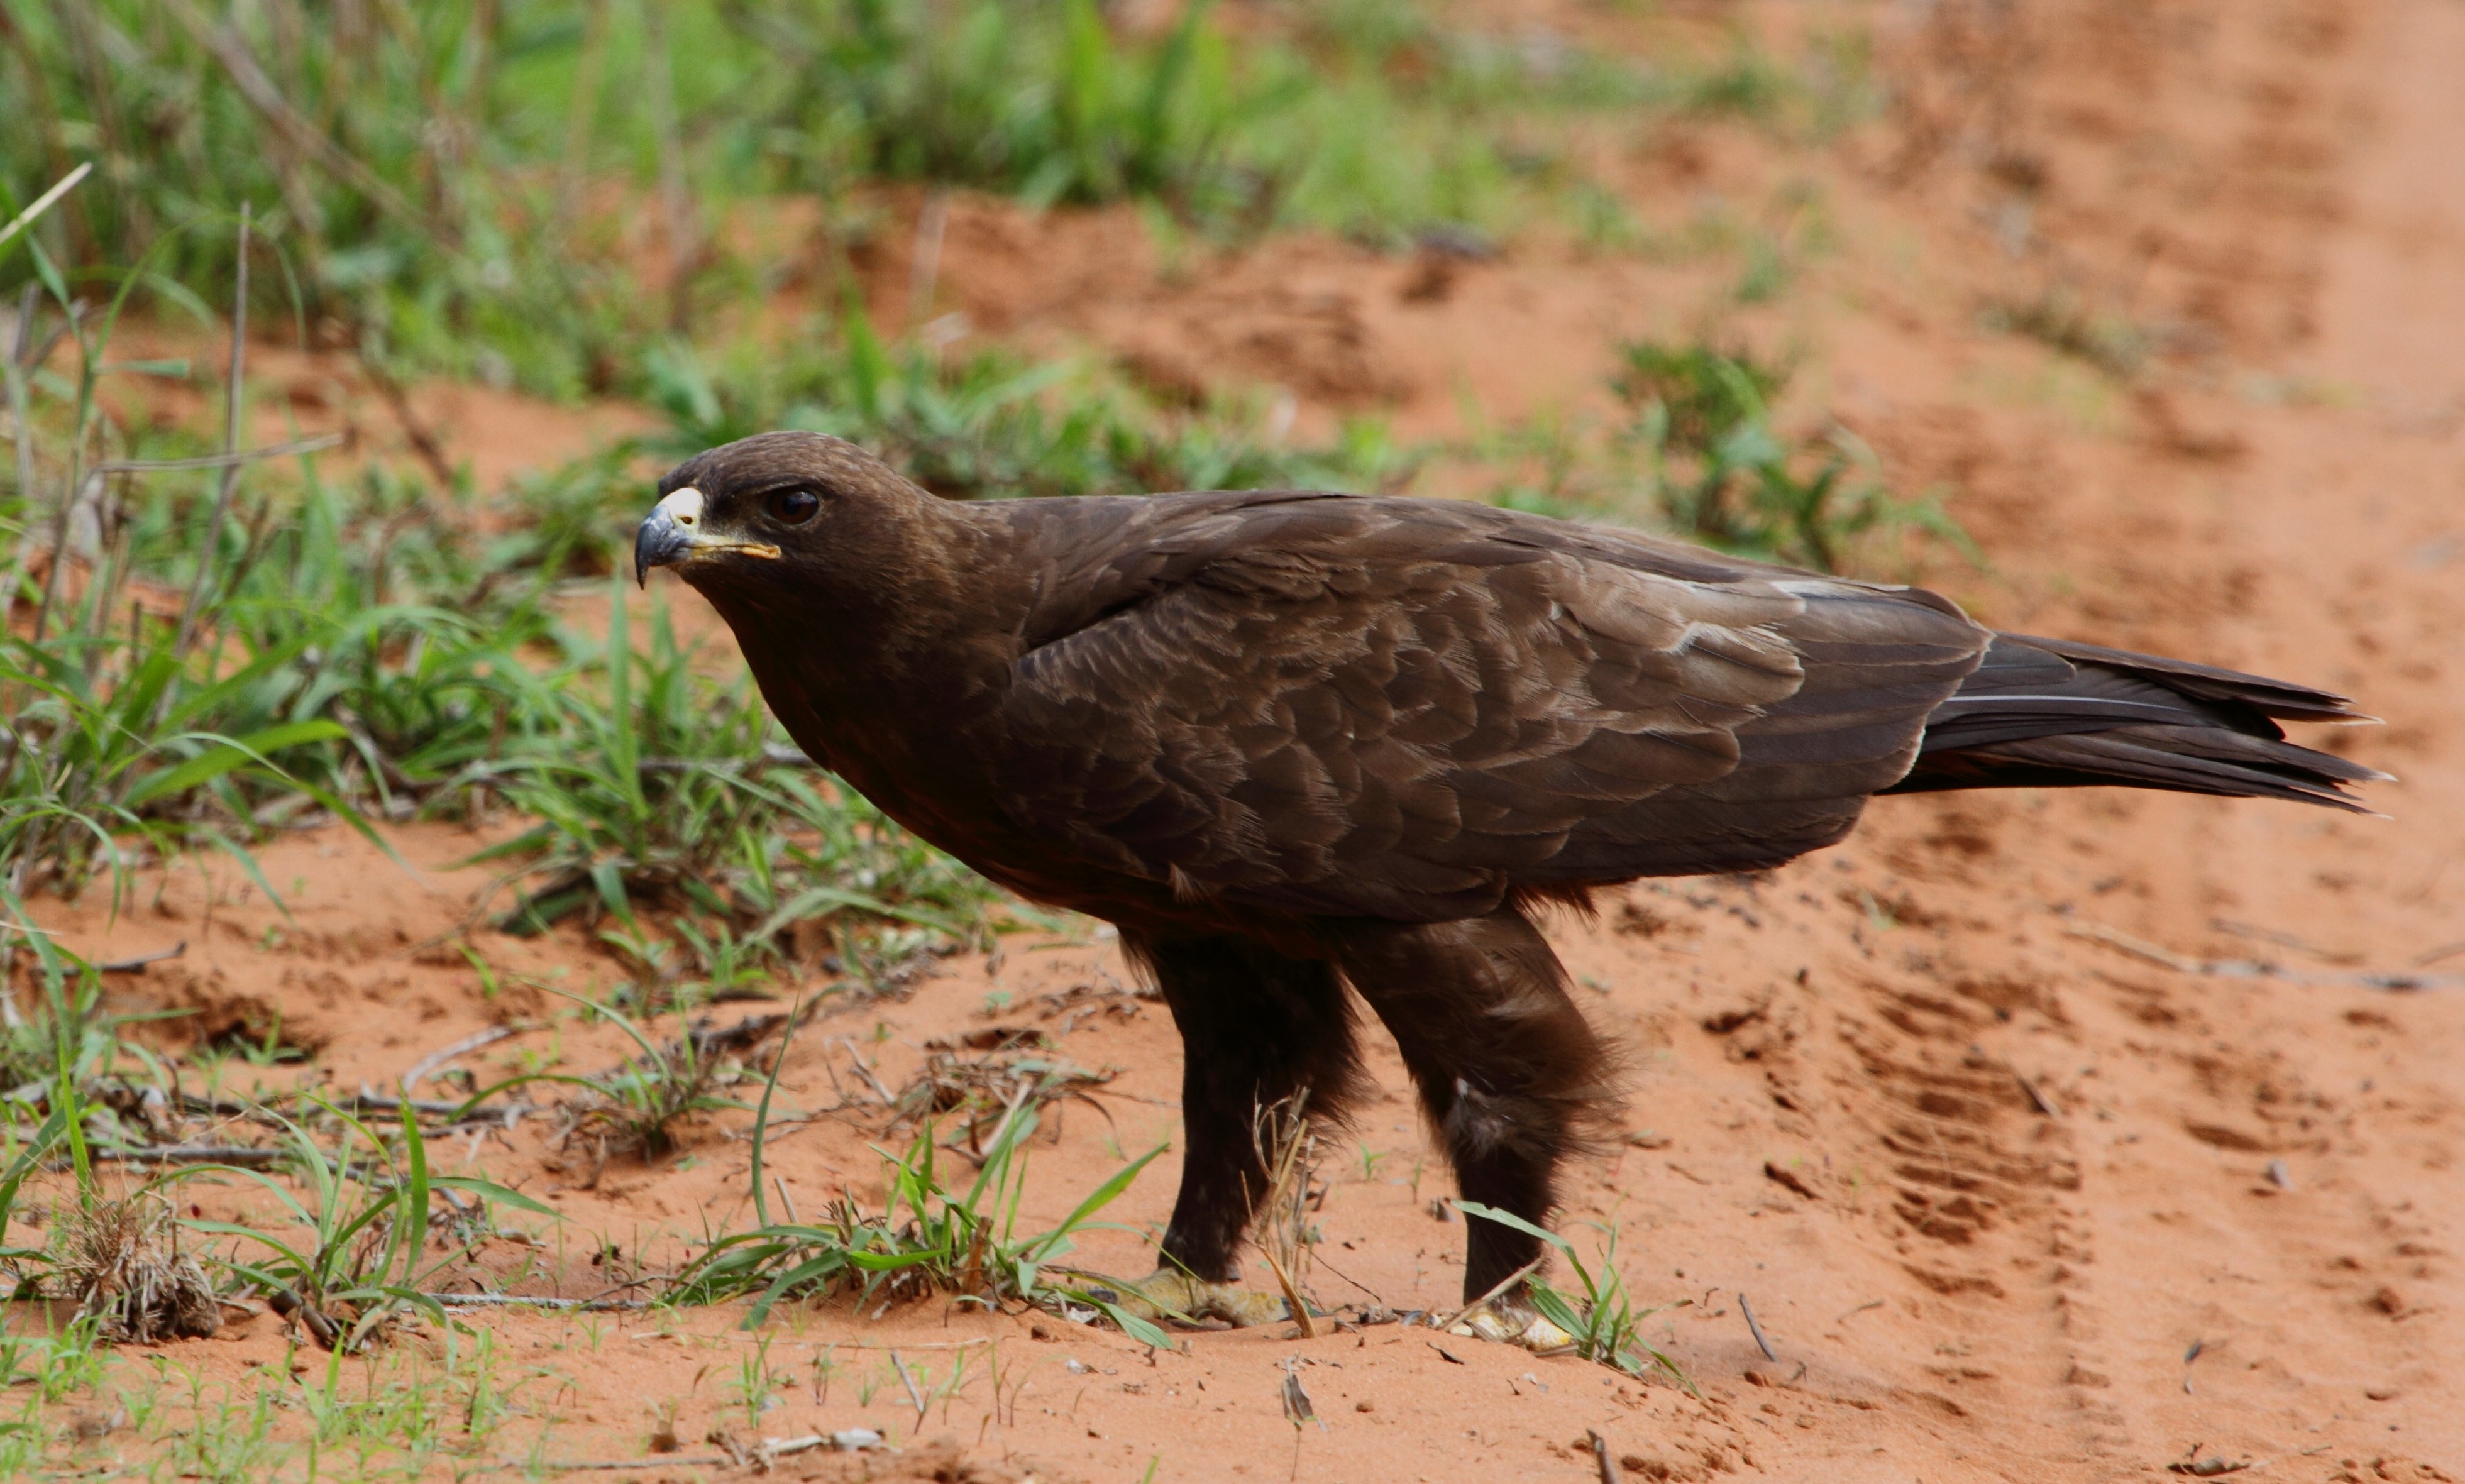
{"type": "Point", "coordinates": [1289, 742]}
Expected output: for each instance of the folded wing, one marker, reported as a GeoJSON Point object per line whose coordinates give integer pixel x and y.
{"type": "Point", "coordinates": [1410, 709]}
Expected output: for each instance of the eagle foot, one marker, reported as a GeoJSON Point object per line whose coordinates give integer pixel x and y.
{"type": "Point", "coordinates": [1511, 1322]}
{"type": "Point", "coordinates": [1171, 1294]}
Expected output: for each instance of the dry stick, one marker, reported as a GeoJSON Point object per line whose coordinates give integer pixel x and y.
{"type": "Point", "coordinates": [229, 462]}
{"type": "Point", "coordinates": [131, 966]}
{"type": "Point", "coordinates": [1755, 1329]}
{"type": "Point", "coordinates": [192, 1154]}
{"type": "Point", "coordinates": [1601, 1455]}
{"type": "Point", "coordinates": [22, 434]}
{"type": "Point", "coordinates": [2137, 948]}
{"type": "Point", "coordinates": [515, 1300]}
{"type": "Point", "coordinates": [856, 1060]}
{"type": "Point", "coordinates": [1504, 1284]}
{"type": "Point", "coordinates": [464, 1046]}
{"type": "Point", "coordinates": [231, 400]}
{"type": "Point", "coordinates": [1292, 1295]}
{"type": "Point", "coordinates": [604, 1465]}
{"type": "Point", "coordinates": [44, 202]}
{"type": "Point", "coordinates": [2238, 969]}
{"type": "Point", "coordinates": [14, 370]}
{"type": "Point", "coordinates": [21, 428]}
{"type": "Point", "coordinates": [781, 1181]}
{"type": "Point", "coordinates": [1281, 1133]}
{"type": "Point", "coordinates": [813, 1440]}
{"type": "Point", "coordinates": [909, 1382]}
{"type": "Point", "coordinates": [372, 1101]}
{"type": "Point", "coordinates": [226, 461]}
{"type": "Point", "coordinates": [60, 521]}
{"type": "Point", "coordinates": [423, 441]}
{"type": "Point", "coordinates": [780, 1448]}
{"type": "Point", "coordinates": [953, 1345]}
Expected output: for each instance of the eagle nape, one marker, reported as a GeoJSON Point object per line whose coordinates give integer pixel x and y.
{"type": "Point", "coordinates": [1311, 752]}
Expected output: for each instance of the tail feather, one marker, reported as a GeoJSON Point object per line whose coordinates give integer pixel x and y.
{"type": "Point", "coordinates": [2049, 713]}
{"type": "Point", "coordinates": [2279, 699]}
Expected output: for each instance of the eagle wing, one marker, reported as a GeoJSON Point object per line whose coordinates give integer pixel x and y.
{"type": "Point", "coordinates": [1408, 709]}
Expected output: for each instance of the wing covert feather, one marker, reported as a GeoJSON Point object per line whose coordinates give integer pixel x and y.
{"type": "Point", "coordinates": [1406, 709]}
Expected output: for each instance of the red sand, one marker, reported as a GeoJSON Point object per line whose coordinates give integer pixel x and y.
{"type": "Point", "coordinates": [1955, 1104]}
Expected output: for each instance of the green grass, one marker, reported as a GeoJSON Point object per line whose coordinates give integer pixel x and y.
{"type": "Point", "coordinates": [527, 191]}
{"type": "Point", "coordinates": [1696, 452]}
{"type": "Point", "coordinates": [364, 653]}
{"type": "Point", "coordinates": [1724, 474]}
{"type": "Point", "coordinates": [1607, 1326]}
{"type": "Point", "coordinates": [354, 1257]}
{"type": "Point", "coordinates": [635, 1109]}
{"type": "Point", "coordinates": [989, 424]}
{"type": "Point", "coordinates": [927, 1240]}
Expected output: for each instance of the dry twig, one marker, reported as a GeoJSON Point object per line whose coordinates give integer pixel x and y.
{"type": "Point", "coordinates": [1601, 1455]}
{"type": "Point", "coordinates": [1504, 1284]}
{"type": "Point", "coordinates": [1755, 1329]}
{"type": "Point", "coordinates": [1289, 1151]}
{"type": "Point", "coordinates": [131, 964]}
{"type": "Point", "coordinates": [981, 1089]}
{"type": "Point", "coordinates": [462, 1048]}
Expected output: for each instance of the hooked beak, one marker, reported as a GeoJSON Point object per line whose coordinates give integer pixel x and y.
{"type": "Point", "coordinates": [674, 535]}
{"type": "Point", "coordinates": [668, 536]}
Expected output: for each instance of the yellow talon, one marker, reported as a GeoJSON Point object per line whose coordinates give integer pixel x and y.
{"type": "Point", "coordinates": [1170, 1292]}
{"type": "Point", "coordinates": [1510, 1319]}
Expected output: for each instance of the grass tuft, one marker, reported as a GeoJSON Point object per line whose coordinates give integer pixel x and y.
{"type": "Point", "coordinates": [927, 1238]}
{"type": "Point", "coordinates": [635, 1109]}
{"type": "Point", "coordinates": [120, 1261]}
{"type": "Point", "coordinates": [1699, 453]}
{"type": "Point", "coordinates": [1607, 1325]}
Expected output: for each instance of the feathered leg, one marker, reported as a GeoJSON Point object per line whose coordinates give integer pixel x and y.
{"type": "Point", "coordinates": [1509, 1072]}
{"type": "Point", "coordinates": [1255, 1027]}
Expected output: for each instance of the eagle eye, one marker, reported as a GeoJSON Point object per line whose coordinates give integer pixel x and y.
{"type": "Point", "coordinates": [795, 507]}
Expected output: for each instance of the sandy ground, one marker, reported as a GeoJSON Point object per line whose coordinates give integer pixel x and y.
{"type": "Point", "coordinates": [2051, 1137]}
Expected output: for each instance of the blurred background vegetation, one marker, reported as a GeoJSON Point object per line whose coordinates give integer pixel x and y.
{"type": "Point", "coordinates": [208, 641]}
{"type": "Point", "coordinates": [478, 185]}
